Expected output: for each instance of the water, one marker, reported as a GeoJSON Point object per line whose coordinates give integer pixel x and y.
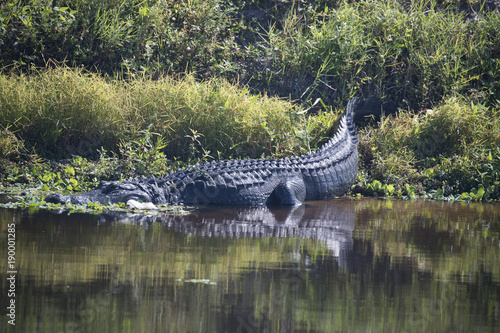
{"type": "Point", "coordinates": [344, 265]}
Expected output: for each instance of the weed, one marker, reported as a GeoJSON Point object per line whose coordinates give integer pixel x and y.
{"type": "Point", "coordinates": [412, 55]}
{"type": "Point", "coordinates": [143, 156]}
{"type": "Point", "coordinates": [448, 150]}
{"type": "Point", "coordinates": [33, 202]}
{"type": "Point", "coordinates": [377, 189]}
{"type": "Point", "coordinates": [10, 145]}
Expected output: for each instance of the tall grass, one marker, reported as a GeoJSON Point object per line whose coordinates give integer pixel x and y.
{"type": "Point", "coordinates": [59, 112]}
{"type": "Point", "coordinates": [227, 120]}
{"type": "Point", "coordinates": [413, 54]}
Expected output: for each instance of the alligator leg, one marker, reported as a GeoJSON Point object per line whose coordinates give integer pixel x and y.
{"type": "Point", "coordinates": [291, 191]}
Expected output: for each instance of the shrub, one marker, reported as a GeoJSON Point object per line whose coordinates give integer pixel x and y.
{"type": "Point", "coordinates": [112, 36]}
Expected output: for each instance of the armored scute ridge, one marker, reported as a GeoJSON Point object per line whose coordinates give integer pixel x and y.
{"type": "Point", "coordinates": [322, 174]}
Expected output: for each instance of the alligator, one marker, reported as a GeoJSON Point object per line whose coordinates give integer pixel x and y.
{"type": "Point", "coordinates": [325, 173]}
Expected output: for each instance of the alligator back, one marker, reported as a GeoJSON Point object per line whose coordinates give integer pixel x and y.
{"type": "Point", "coordinates": [325, 173]}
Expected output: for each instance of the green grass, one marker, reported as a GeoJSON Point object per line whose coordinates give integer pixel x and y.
{"type": "Point", "coordinates": [453, 148]}
{"type": "Point", "coordinates": [412, 54]}
{"type": "Point", "coordinates": [62, 111]}
{"type": "Point", "coordinates": [116, 89]}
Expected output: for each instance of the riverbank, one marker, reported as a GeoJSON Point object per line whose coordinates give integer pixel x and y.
{"type": "Point", "coordinates": [271, 81]}
{"type": "Point", "coordinates": [68, 129]}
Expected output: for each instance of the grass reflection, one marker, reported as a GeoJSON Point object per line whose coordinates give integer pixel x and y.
{"type": "Point", "coordinates": [406, 266]}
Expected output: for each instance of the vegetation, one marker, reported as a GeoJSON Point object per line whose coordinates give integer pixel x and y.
{"type": "Point", "coordinates": [94, 90]}
{"type": "Point", "coordinates": [412, 53]}
{"type": "Point", "coordinates": [111, 35]}
{"type": "Point", "coordinates": [63, 111]}
{"type": "Point", "coordinates": [447, 151]}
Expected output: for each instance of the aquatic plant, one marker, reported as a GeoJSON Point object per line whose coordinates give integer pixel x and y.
{"type": "Point", "coordinates": [34, 202]}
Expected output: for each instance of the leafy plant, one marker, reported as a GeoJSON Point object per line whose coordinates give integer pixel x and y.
{"type": "Point", "coordinates": [377, 189]}
{"type": "Point", "coordinates": [448, 150]}
{"type": "Point", "coordinates": [130, 35]}
{"type": "Point", "coordinates": [144, 156]}
{"type": "Point", "coordinates": [33, 202]}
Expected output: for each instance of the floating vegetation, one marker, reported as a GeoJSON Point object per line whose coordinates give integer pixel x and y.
{"type": "Point", "coordinates": [33, 202]}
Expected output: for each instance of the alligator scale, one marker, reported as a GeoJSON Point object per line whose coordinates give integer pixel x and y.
{"type": "Point", "coordinates": [323, 174]}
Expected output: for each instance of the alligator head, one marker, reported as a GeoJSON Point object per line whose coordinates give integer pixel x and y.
{"type": "Point", "coordinates": [107, 192]}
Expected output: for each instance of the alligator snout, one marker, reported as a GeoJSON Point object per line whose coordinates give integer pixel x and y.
{"type": "Point", "coordinates": [57, 198]}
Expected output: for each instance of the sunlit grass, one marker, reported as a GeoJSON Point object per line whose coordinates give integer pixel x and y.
{"type": "Point", "coordinates": [454, 147]}
{"type": "Point", "coordinates": [65, 111]}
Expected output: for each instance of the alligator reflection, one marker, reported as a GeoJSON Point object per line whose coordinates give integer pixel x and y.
{"type": "Point", "coordinates": [344, 265]}
{"type": "Point", "coordinates": [332, 224]}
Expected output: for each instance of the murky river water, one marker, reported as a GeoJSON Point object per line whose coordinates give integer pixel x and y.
{"type": "Point", "coordinates": [345, 265]}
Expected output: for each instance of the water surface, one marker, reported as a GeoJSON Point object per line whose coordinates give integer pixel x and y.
{"type": "Point", "coordinates": [343, 265]}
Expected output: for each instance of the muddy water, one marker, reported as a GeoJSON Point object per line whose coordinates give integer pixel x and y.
{"type": "Point", "coordinates": [345, 265]}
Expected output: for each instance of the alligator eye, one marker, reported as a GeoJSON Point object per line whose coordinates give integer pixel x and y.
{"type": "Point", "coordinates": [108, 187]}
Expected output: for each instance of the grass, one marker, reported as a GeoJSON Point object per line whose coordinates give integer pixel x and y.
{"type": "Point", "coordinates": [453, 148]}
{"type": "Point", "coordinates": [412, 54]}
{"type": "Point", "coordinates": [116, 89]}
{"type": "Point", "coordinates": [59, 111]}
{"type": "Point", "coordinates": [63, 111]}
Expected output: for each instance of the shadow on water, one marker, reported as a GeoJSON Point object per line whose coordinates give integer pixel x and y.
{"type": "Point", "coordinates": [342, 265]}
